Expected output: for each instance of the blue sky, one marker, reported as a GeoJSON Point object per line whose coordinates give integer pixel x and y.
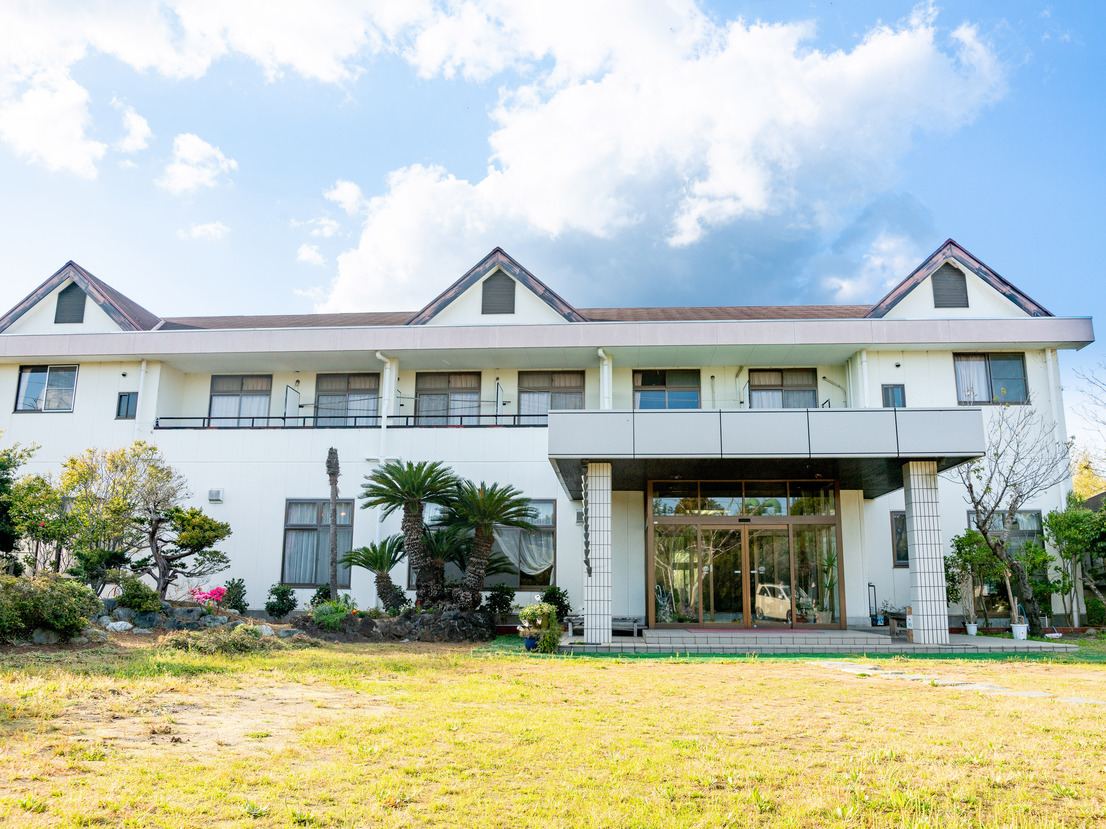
{"type": "Point", "coordinates": [212, 158]}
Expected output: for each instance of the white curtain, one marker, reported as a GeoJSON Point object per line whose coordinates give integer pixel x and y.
{"type": "Point", "coordinates": [972, 383]}
{"type": "Point", "coordinates": [299, 556]}
{"type": "Point", "coordinates": [255, 407]}
{"type": "Point", "coordinates": [533, 406]}
{"type": "Point", "coordinates": [224, 405]}
{"type": "Point", "coordinates": [533, 552]}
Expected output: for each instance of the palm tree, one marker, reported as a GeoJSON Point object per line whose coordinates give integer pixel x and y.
{"type": "Point", "coordinates": [480, 508]}
{"type": "Point", "coordinates": [380, 558]}
{"type": "Point", "coordinates": [453, 545]}
{"type": "Point", "coordinates": [403, 485]}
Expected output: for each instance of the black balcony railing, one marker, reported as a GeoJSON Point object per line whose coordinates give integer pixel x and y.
{"type": "Point", "coordinates": [358, 422]}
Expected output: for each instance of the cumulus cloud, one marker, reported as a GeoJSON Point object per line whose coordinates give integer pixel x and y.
{"type": "Point", "coordinates": [138, 130]}
{"type": "Point", "coordinates": [195, 164]}
{"type": "Point", "coordinates": [310, 254]}
{"type": "Point", "coordinates": [209, 232]}
{"type": "Point", "coordinates": [347, 196]}
{"type": "Point", "coordinates": [323, 227]}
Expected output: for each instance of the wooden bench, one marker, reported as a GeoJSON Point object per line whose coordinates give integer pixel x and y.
{"type": "Point", "coordinates": [630, 623]}
{"type": "Point", "coordinates": [897, 619]}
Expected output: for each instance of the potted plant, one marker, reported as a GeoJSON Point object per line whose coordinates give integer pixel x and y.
{"type": "Point", "coordinates": [536, 620]}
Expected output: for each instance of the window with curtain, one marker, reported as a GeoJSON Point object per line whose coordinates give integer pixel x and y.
{"type": "Point", "coordinates": [306, 561]}
{"type": "Point", "coordinates": [666, 389]}
{"type": "Point", "coordinates": [540, 391]}
{"type": "Point", "coordinates": [787, 388]}
{"type": "Point", "coordinates": [985, 379]}
{"type": "Point", "coordinates": [46, 388]}
{"type": "Point", "coordinates": [894, 396]}
{"type": "Point", "coordinates": [346, 399]}
{"type": "Point", "coordinates": [240, 399]}
{"type": "Point", "coordinates": [447, 399]}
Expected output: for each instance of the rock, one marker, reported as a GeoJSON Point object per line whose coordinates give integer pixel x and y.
{"type": "Point", "coordinates": [1090, 632]}
{"type": "Point", "coordinates": [166, 607]}
{"type": "Point", "coordinates": [98, 635]}
{"type": "Point", "coordinates": [104, 621]}
{"type": "Point", "coordinates": [119, 627]}
{"type": "Point", "coordinates": [287, 633]}
{"type": "Point", "coordinates": [148, 620]}
{"type": "Point", "coordinates": [141, 630]}
{"type": "Point", "coordinates": [109, 605]}
{"type": "Point", "coordinates": [45, 636]}
{"type": "Point", "coordinates": [123, 614]}
{"type": "Point", "coordinates": [265, 630]}
{"type": "Point", "coordinates": [190, 625]}
{"type": "Point", "coordinates": [213, 621]}
{"type": "Point", "coordinates": [234, 623]}
{"type": "Point", "coordinates": [173, 624]}
{"type": "Point", "coordinates": [192, 614]}
{"type": "Point", "coordinates": [79, 640]}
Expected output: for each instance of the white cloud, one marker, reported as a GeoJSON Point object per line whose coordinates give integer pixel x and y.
{"type": "Point", "coordinates": [323, 227]}
{"type": "Point", "coordinates": [679, 123]}
{"type": "Point", "coordinates": [209, 232]}
{"type": "Point", "coordinates": [310, 254]}
{"type": "Point", "coordinates": [138, 130]}
{"type": "Point", "coordinates": [195, 164]}
{"type": "Point", "coordinates": [347, 196]}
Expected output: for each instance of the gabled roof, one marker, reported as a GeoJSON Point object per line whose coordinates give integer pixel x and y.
{"type": "Point", "coordinates": [497, 258]}
{"type": "Point", "coordinates": [950, 250]}
{"type": "Point", "coordinates": [124, 311]}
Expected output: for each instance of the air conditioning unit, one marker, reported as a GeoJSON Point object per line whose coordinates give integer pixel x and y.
{"type": "Point", "coordinates": [215, 496]}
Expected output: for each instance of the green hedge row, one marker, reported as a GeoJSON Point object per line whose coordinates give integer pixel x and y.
{"type": "Point", "coordinates": [46, 601]}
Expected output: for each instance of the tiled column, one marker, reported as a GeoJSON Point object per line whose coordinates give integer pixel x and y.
{"type": "Point", "coordinates": [927, 563]}
{"type": "Point", "coordinates": [597, 587]}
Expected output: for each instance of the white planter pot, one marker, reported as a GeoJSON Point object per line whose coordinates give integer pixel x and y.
{"type": "Point", "coordinates": [1020, 631]}
{"type": "Point", "coordinates": [973, 629]}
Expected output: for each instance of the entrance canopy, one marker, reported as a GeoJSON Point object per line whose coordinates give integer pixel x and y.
{"type": "Point", "coordinates": [863, 448]}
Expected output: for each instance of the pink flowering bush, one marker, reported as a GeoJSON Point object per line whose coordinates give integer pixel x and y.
{"type": "Point", "coordinates": [210, 597]}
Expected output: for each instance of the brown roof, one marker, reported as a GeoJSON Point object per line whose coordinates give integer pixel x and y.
{"type": "Point", "coordinates": [289, 321]}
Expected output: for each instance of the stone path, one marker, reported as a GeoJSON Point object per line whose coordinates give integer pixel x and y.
{"type": "Point", "coordinates": [860, 668]}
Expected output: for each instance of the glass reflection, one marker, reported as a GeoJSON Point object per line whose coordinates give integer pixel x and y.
{"type": "Point", "coordinates": [677, 588]}
{"type": "Point", "coordinates": [816, 574]}
{"type": "Point", "coordinates": [724, 583]}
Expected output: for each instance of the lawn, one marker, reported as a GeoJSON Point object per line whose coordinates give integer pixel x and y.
{"type": "Point", "coordinates": [418, 735]}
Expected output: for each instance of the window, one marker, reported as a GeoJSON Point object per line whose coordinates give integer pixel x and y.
{"type": "Point", "coordinates": [307, 542]}
{"type": "Point", "coordinates": [900, 553]}
{"type": "Point", "coordinates": [127, 407]}
{"type": "Point", "coordinates": [788, 388]}
{"type": "Point", "coordinates": [447, 399]}
{"type": "Point", "coordinates": [346, 399]}
{"type": "Point", "coordinates": [532, 553]}
{"type": "Point", "coordinates": [540, 391]}
{"type": "Point", "coordinates": [1026, 527]}
{"type": "Point", "coordinates": [950, 288]}
{"type": "Point", "coordinates": [983, 379]}
{"type": "Point", "coordinates": [46, 388]}
{"type": "Point", "coordinates": [240, 399]}
{"type": "Point", "coordinates": [666, 389]}
{"type": "Point", "coordinates": [498, 294]}
{"type": "Point", "coordinates": [70, 307]}
{"type": "Point", "coordinates": [894, 397]}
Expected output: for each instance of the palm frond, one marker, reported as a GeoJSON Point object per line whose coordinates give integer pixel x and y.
{"type": "Point", "coordinates": [378, 557]}
{"type": "Point", "coordinates": [485, 505]}
{"type": "Point", "coordinates": [398, 484]}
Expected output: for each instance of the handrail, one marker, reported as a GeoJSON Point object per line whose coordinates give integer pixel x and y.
{"type": "Point", "coordinates": [352, 422]}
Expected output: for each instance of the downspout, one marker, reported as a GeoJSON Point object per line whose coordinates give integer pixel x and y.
{"type": "Point", "coordinates": [606, 385]}
{"type": "Point", "coordinates": [1052, 364]}
{"type": "Point", "coordinates": [141, 387]}
{"type": "Point", "coordinates": [864, 378]}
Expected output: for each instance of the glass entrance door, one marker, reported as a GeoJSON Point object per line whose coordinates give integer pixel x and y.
{"type": "Point", "coordinates": [721, 554]}
{"type": "Point", "coordinates": [770, 577]}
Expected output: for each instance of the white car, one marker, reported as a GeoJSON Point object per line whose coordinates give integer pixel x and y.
{"type": "Point", "coordinates": [773, 601]}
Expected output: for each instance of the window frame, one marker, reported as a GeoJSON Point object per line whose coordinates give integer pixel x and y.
{"type": "Point", "coordinates": [890, 386]}
{"type": "Point", "coordinates": [991, 401]}
{"type": "Point", "coordinates": [783, 387]}
{"type": "Point", "coordinates": [898, 562]}
{"type": "Point", "coordinates": [348, 420]}
{"type": "Point", "coordinates": [131, 412]}
{"type": "Point", "coordinates": [538, 419]}
{"type": "Point", "coordinates": [322, 530]}
{"type": "Point", "coordinates": [241, 393]}
{"type": "Point", "coordinates": [667, 388]}
{"type": "Point", "coordinates": [451, 416]}
{"type": "Point", "coordinates": [41, 409]}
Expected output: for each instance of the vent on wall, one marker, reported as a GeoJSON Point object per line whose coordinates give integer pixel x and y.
{"type": "Point", "coordinates": [215, 496]}
{"type": "Point", "coordinates": [70, 304]}
{"type": "Point", "coordinates": [950, 288]}
{"type": "Point", "coordinates": [499, 294]}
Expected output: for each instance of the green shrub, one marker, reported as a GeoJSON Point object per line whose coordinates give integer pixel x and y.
{"type": "Point", "coordinates": [329, 615]}
{"type": "Point", "coordinates": [558, 597]}
{"type": "Point", "coordinates": [136, 595]}
{"type": "Point", "coordinates": [282, 601]}
{"type": "Point", "coordinates": [235, 598]}
{"type": "Point", "coordinates": [501, 597]}
{"type": "Point", "coordinates": [46, 601]}
{"type": "Point", "coordinates": [1096, 611]}
{"type": "Point", "coordinates": [242, 639]}
{"type": "Point", "coordinates": [322, 594]}
{"type": "Point", "coordinates": [550, 640]}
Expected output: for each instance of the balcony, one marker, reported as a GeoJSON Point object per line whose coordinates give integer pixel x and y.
{"type": "Point", "coordinates": [359, 422]}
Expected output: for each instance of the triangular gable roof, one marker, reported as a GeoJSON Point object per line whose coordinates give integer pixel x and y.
{"type": "Point", "coordinates": [124, 311]}
{"type": "Point", "coordinates": [498, 257]}
{"type": "Point", "coordinates": [950, 250]}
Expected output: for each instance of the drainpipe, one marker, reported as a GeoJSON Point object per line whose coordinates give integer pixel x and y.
{"type": "Point", "coordinates": [1052, 364]}
{"type": "Point", "coordinates": [606, 385]}
{"type": "Point", "coordinates": [141, 387]}
{"type": "Point", "coordinates": [848, 384]}
{"type": "Point", "coordinates": [864, 378]}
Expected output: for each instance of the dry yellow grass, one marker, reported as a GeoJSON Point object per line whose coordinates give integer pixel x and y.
{"type": "Point", "coordinates": [440, 736]}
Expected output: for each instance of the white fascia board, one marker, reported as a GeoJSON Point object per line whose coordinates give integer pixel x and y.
{"type": "Point", "coordinates": [1029, 333]}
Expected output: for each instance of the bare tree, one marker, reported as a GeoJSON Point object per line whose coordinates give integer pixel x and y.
{"type": "Point", "coordinates": [1094, 410]}
{"type": "Point", "coordinates": [333, 472]}
{"type": "Point", "coordinates": [1024, 458]}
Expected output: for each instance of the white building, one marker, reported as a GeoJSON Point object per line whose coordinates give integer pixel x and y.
{"type": "Point", "coordinates": [740, 466]}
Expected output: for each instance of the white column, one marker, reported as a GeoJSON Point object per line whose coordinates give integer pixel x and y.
{"type": "Point", "coordinates": [927, 565]}
{"type": "Point", "coordinates": [597, 586]}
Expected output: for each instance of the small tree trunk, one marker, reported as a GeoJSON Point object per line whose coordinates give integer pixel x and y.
{"type": "Point", "coordinates": [332, 471]}
{"type": "Point", "coordinates": [429, 578]}
{"type": "Point", "coordinates": [473, 585]}
{"type": "Point", "coordinates": [1029, 603]}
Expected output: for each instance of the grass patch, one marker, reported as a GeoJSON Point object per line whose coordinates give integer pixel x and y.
{"type": "Point", "coordinates": [429, 735]}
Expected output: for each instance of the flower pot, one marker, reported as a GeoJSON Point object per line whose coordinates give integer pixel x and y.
{"type": "Point", "coordinates": [1020, 631]}
{"type": "Point", "coordinates": [531, 643]}
{"type": "Point", "coordinates": [973, 629]}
